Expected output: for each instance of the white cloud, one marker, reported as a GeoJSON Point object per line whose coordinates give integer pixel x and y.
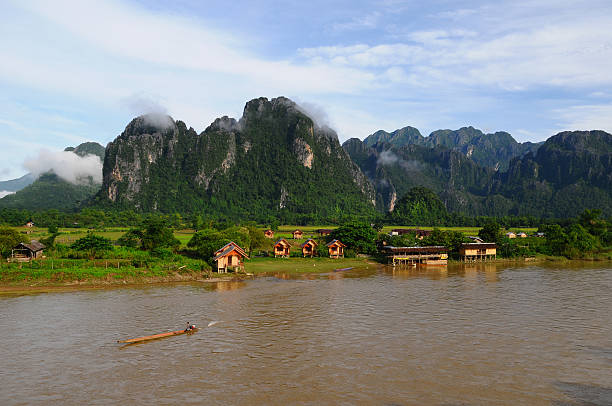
{"type": "Point", "coordinates": [67, 165]}
{"type": "Point", "coordinates": [586, 117]}
{"type": "Point", "coordinates": [570, 53]}
{"type": "Point", "coordinates": [132, 35]}
{"type": "Point", "coordinates": [363, 22]}
{"type": "Point", "coordinates": [5, 193]}
{"type": "Point", "coordinates": [429, 74]}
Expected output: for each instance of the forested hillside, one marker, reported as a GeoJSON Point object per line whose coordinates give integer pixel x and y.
{"type": "Point", "coordinates": [571, 171]}
{"type": "Point", "coordinates": [49, 191]}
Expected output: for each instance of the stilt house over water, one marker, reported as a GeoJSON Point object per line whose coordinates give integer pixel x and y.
{"type": "Point", "coordinates": [472, 252]}
{"type": "Point", "coordinates": [309, 248]}
{"type": "Point", "coordinates": [336, 249]}
{"type": "Point", "coordinates": [282, 248]}
{"type": "Point", "coordinates": [436, 255]}
{"type": "Point", "coordinates": [230, 255]}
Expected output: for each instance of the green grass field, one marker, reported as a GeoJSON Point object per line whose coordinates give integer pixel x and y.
{"type": "Point", "coordinates": [303, 265]}
{"type": "Point", "coordinates": [70, 235]}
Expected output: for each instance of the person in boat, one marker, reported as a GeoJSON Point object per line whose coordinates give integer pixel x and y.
{"type": "Point", "coordinates": [190, 326]}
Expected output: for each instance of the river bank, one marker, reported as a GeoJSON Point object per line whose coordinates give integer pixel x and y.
{"type": "Point", "coordinates": [31, 280]}
{"type": "Point", "coordinates": [48, 280]}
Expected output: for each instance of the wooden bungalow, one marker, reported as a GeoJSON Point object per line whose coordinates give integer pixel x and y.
{"type": "Point", "coordinates": [521, 235]}
{"type": "Point", "coordinates": [436, 255]}
{"type": "Point", "coordinates": [230, 255]}
{"type": "Point", "coordinates": [336, 249]}
{"type": "Point", "coordinates": [309, 248]}
{"type": "Point", "coordinates": [269, 233]}
{"type": "Point", "coordinates": [29, 224]}
{"type": "Point", "coordinates": [324, 231]}
{"type": "Point", "coordinates": [282, 248]}
{"type": "Point", "coordinates": [27, 251]}
{"type": "Point", "coordinates": [510, 234]}
{"type": "Point", "coordinates": [297, 234]}
{"type": "Point", "coordinates": [472, 252]}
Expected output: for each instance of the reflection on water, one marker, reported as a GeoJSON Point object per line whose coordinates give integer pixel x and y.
{"type": "Point", "coordinates": [474, 334]}
{"type": "Point", "coordinates": [224, 286]}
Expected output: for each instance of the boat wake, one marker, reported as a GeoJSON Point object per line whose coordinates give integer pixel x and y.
{"type": "Point", "coordinates": [212, 323]}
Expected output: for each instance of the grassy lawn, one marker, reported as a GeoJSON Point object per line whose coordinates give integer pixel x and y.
{"type": "Point", "coordinates": [465, 230]}
{"type": "Point", "coordinates": [302, 265]}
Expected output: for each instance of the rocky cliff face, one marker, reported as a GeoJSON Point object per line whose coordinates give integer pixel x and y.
{"type": "Point", "coordinates": [273, 158]}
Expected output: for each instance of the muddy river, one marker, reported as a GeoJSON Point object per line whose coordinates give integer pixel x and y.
{"type": "Point", "coordinates": [467, 335]}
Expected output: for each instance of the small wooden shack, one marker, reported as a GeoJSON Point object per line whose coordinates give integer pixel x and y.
{"type": "Point", "coordinates": [309, 248]}
{"type": "Point", "coordinates": [29, 224]}
{"type": "Point", "coordinates": [324, 231]}
{"type": "Point", "coordinates": [282, 248]}
{"type": "Point", "coordinates": [435, 255]}
{"type": "Point", "coordinates": [336, 249]}
{"type": "Point", "coordinates": [521, 235]}
{"type": "Point", "coordinates": [510, 234]}
{"type": "Point", "coordinates": [230, 255]}
{"type": "Point", "coordinates": [27, 251]}
{"type": "Point", "coordinates": [269, 233]}
{"type": "Point", "coordinates": [472, 252]}
{"type": "Point", "coordinates": [297, 234]}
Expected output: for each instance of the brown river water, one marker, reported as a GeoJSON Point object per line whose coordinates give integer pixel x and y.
{"type": "Point", "coordinates": [467, 335]}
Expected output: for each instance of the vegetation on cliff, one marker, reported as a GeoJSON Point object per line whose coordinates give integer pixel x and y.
{"type": "Point", "coordinates": [274, 163]}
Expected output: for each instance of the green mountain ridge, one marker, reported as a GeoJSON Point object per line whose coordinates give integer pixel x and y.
{"type": "Point", "coordinates": [491, 150]}
{"type": "Point", "coordinates": [88, 148]}
{"type": "Point", "coordinates": [15, 185]}
{"type": "Point", "coordinates": [272, 163]}
{"type": "Point", "coordinates": [569, 172]}
{"type": "Point", "coordinates": [275, 163]}
{"type": "Point", "coordinates": [49, 191]}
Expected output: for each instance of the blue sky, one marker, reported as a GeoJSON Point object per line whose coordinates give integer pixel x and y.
{"type": "Point", "coordinates": [75, 71]}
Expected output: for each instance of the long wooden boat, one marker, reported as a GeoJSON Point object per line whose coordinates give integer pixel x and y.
{"type": "Point", "coordinates": [156, 336]}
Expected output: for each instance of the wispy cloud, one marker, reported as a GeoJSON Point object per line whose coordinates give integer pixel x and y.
{"type": "Point", "coordinates": [67, 165]}
{"type": "Point", "coordinates": [375, 64]}
{"type": "Point", "coordinates": [362, 22]}
{"type": "Point", "coordinates": [586, 117]}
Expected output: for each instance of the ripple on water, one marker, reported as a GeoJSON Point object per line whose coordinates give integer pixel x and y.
{"type": "Point", "coordinates": [465, 335]}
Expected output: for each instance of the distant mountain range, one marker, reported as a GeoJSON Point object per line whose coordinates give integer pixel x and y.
{"type": "Point", "coordinates": [276, 163]}
{"type": "Point", "coordinates": [14, 185]}
{"type": "Point", "coordinates": [491, 150]}
{"type": "Point", "coordinates": [567, 173]}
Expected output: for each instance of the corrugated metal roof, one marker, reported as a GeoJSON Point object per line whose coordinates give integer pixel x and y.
{"type": "Point", "coordinates": [33, 246]}
{"type": "Point", "coordinates": [437, 248]}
